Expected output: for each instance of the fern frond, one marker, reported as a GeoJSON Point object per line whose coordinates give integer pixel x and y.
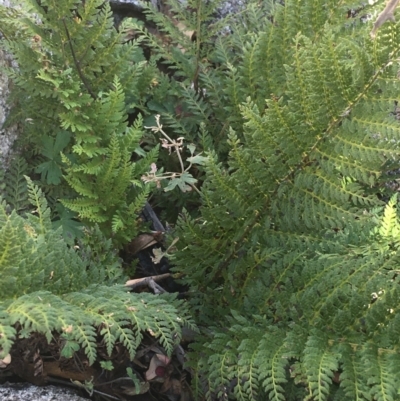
{"type": "Point", "coordinates": [7, 333]}
{"type": "Point", "coordinates": [87, 208]}
{"type": "Point", "coordinates": [320, 364]}
{"type": "Point", "coordinates": [72, 71]}
{"type": "Point", "coordinates": [389, 225]}
{"type": "Point", "coordinates": [380, 373]}
{"type": "Point", "coordinates": [292, 226]}
{"type": "Point", "coordinates": [353, 376]}
{"type": "Point", "coordinates": [37, 200]}
{"type": "Point", "coordinates": [272, 361]}
{"type": "Point", "coordinates": [15, 191]}
{"type": "Point", "coordinates": [74, 293]}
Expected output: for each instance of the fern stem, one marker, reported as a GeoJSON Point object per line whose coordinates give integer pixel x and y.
{"type": "Point", "coordinates": [78, 67]}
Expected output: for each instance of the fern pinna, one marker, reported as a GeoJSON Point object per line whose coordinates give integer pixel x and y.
{"type": "Point", "coordinates": [292, 253]}
{"type": "Point", "coordinates": [49, 288]}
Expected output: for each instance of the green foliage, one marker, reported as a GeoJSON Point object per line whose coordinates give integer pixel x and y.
{"type": "Point", "coordinates": [94, 248]}
{"type": "Point", "coordinates": [292, 266]}
{"type": "Point", "coordinates": [47, 287]}
{"type": "Point", "coordinates": [69, 98]}
{"type": "Point", "coordinates": [294, 253]}
{"type": "Point", "coordinates": [51, 149]}
{"type": "Point", "coordinates": [182, 93]}
{"type": "Point", "coordinates": [203, 86]}
{"type": "Point", "coordinates": [178, 95]}
{"type": "Point", "coordinates": [14, 189]}
{"type": "Point", "coordinates": [67, 220]}
{"type": "Point", "coordinates": [114, 197]}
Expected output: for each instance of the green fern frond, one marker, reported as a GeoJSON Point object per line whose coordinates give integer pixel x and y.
{"type": "Point", "coordinates": [352, 378]}
{"type": "Point", "coordinates": [72, 70]}
{"type": "Point", "coordinates": [41, 222]}
{"type": "Point", "coordinates": [8, 333]}
{"type": "Point", "coordinates": [272, 362]}
{"type": "Point", "coordinates": [292, 227]}
{"type": "Point", "coordinates": [87, 208]}
{"type": "Point", "coordinates": [117, 224]}
{"type": "Point", "coordinates": [389, 225]}
{"type": "Point", "coordinates": [49, 288]}
{"type": "Point", "coordinates": [320, 364]}
{"type": "Point", "coordinates": [15, 191]}
{"type": "Point", "coordinates": [380, 370]}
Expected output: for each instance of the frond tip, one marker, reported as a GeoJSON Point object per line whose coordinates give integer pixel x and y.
{"type": "Point", "coordinates": [389, 227]}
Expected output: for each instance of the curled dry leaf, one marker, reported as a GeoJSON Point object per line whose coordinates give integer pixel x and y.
{"type": "Point", "coordinates": [158, 255]}
{"type": "Point", "coordinates": [142, 241]}
{"type": "Point", "coordinates": [182, 27]}
{"type": "Point", "coordinates": [157, 367]}
{"type": "Point", "coordinates": [5, 361]}
{"type": "Point", "coordinates": [37, 364]}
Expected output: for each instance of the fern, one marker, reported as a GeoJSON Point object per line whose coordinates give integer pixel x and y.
{"type": "Point", "coordinates": [185, 48]}
{"type": "Point", "coordinates": [71, 64]}
{"type": "Point", "coordinates": [294, 240]}
{"type": "Point", "coordinates": [15, 189]}
{"type": "Point", "coordinates": [49, 288]}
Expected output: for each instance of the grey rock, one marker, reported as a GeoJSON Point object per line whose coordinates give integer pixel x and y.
{"type": "Point", "coordinates": [231, 6]}
{"type": "Point", "coordinates": [28, 392]}
{"type": "Point", "coordinates": [7, 136]}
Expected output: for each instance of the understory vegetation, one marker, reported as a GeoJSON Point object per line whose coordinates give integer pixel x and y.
{"type": "Point", "coordinates": [267, 140]}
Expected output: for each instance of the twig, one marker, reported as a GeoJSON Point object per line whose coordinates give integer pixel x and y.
{"type": "Point", "coordinates": [119, 379]}
{"type": "Point", "coordinates": [168, 143]}
{"type": "Point", "coordinates": [74, 385]}
{"type": "Point", "coordinates": [386, 15]}
{"type": "Point", "coordinates": [157, 289]}
{"type": "Point", "coordinates": [138, 282]}
{"type": "Point", "coordinates": [149, 214]}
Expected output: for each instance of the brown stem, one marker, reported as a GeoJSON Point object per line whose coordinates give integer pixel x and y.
{"type": "Point", "coordinates": [78, 67]}
{"type": "Point", "coordinates": [137, 282]}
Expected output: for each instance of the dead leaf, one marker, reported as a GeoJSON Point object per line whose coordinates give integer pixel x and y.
{"type": "Point", "coordinates": [37, 364]}
{"type": "Point", "coordinates": [5, 361]}
{"type": "Point", "coordinates": [182, 27]}
{"type": "Point", "coordinates": [158, 255]}
{"type": "Point", "coordinates": [157, 368]}
{"type": "Point", "coordinates": [52, 368]}
{"type": "Point", "coordinates": [180, 354]}
{"type": "Point", "coordinates": [141, 242]}
{"type": "Point", "coordinates": [137, 362]}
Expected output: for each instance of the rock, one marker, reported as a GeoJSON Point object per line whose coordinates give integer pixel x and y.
{"type": "Point", "coordinates": [7, 136]}
{"type": "Point", "coordinates": [231, 6]}
{"type": "Point", "coordinates": [28, 392]}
